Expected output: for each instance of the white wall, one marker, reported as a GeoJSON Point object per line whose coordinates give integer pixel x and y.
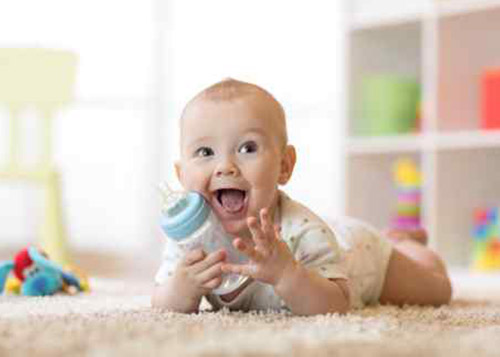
{"type": "Point", "coordinates": [103, 141]}
{"type": "Point", "coordinates": [140, 61]}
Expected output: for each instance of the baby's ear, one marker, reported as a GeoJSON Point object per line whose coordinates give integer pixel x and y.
{"type": "Point", "coordinates": [287, 164]}
{"type": "Point", "coordinates": [178, 171]}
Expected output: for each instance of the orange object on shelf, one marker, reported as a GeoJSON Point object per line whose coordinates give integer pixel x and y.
{"type": "Point", "coordinates": [490, 99]}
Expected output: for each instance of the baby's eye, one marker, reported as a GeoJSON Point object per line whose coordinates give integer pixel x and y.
{"type": "Point", "coordinates": [248, 147]}
{"type": "Point", "coordinates": [203, 152]}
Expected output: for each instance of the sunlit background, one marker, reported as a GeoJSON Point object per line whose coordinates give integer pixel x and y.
{"type": "Point", "coordinates": [139, 62]}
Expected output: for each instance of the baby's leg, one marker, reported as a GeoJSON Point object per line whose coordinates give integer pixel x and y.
{"type": "Point", "coordinates": [395, 235]}
{"type": "Point", "coordinates": [416, 274]}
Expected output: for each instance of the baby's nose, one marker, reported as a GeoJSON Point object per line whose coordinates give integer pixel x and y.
{"type": "Point", "coordinates": [227, 168]}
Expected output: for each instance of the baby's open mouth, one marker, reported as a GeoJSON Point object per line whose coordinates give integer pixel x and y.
{"type": "Point", "coordinates": [232, 200]}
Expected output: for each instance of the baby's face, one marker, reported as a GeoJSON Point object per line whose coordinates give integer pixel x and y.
{"type": "Point", "coordinates": [231, 153]}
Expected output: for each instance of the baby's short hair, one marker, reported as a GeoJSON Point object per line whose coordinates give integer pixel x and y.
{"type": "Point", "coordinates": [230, 89]}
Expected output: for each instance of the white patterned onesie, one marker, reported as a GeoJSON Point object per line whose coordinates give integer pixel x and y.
{"type": "Point", "coordinates": [347, 249]}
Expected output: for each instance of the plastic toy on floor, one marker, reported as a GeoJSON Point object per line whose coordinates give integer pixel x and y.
{"type": "Point", "coordinates": [32, 273]}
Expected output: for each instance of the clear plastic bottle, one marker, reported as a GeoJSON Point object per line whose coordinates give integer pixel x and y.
{"type": "Point", "coordinates": [188, 220]}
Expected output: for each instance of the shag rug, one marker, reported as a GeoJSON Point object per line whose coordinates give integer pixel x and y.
{"type": "Point", "coordinates": [116, 319]}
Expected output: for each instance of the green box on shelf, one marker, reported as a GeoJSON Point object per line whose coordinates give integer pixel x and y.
{"type": "Point", "coordinates": [388, 104]}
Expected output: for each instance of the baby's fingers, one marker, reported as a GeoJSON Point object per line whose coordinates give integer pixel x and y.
{"type": "Point", "coordinates": [246, 249]}
{"type": "Point", "coordinates": [267, 226]}
{"type": "Point", "coordinates": [277, 231]}
{"type": "Point", "coordinates": [258, 235]}
{"type": "Point", "coordinates": [210, 260]}
{"type": "Point", "coordinates": [210, 274]}
{"type": "Point", "coordinates": [192, 257]}
{"type": "Point", "coordinates": [212, 284]}
{"type": "Point", "coordinates": [246, 269]}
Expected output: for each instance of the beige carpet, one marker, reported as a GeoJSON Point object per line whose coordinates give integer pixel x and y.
{"type": "Point", "coordinates": [115, 319]}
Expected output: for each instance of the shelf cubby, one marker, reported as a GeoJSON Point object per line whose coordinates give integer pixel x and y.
{"type": "Point", "coordinates": [468, 45]}
{"type": "Point", "coordinates": [366, 14]}
{"type": "Point", "coordinates": [371, 188]}
{"type": "Point", "coordinates": [393, 49]}
{"type": "Point", "coordinates": [445, 45]}
{"type": "Point", "coordinates": [467, 179]}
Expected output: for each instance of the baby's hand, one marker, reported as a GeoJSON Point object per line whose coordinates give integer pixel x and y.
{"type": "Point", "coordinates": [269, 255]}
{"type": "Point", "coordinates": [198, 273]}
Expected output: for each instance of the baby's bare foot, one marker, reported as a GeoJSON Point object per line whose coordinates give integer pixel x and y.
{"type": "Point", "coordinates": [418, 235]}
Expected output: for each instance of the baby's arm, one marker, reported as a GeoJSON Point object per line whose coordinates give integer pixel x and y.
{"type": "Point", "coordinates": [304, 291]}
{"type": "Point", "coordinates": [196, 274]}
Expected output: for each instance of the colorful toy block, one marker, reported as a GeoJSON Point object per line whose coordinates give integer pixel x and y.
{"type": "Point", "coordinates": [490, 99]}
{"type": "Point", "coordinates": [486, 234]}
{"type": "Point", "coordinates": [408, 183]}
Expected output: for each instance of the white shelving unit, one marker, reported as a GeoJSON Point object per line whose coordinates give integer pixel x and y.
{"type": "Point", "coordinates": [445, 45]}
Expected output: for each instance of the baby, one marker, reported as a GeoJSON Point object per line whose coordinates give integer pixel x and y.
{"type": "Point", "coordinates": [234, 151]}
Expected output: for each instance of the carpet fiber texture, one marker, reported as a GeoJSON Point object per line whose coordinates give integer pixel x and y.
{"type": "Point", "coordinates": [115, 319]}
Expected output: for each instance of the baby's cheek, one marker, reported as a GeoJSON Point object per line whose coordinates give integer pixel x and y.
{"type": "Point", "coordinates": [191, 184]}
{"type": "Point", "coordinates": [263, 176]}
{"type": "Point", "coordinates": [194, 179]}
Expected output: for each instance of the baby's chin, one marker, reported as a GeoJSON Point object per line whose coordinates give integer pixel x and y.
{"type": "Point", "coordinates": [237, 228]}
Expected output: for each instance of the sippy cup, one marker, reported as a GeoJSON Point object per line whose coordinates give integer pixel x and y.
{"type": "Point", "coordinates": [188, 220]}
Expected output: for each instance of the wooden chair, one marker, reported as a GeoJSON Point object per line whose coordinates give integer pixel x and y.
{"type": "Point", "coordinates": [42, 79]}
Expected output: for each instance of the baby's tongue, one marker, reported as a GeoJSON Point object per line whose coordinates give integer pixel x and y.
{"type": "Point", "coordinates": [232, 200]}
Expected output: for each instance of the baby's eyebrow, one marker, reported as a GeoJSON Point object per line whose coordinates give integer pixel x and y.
{"type": "Point", "coordinates": [197, 141]}
{"type": "Point", "coordinates": [259, 131]}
